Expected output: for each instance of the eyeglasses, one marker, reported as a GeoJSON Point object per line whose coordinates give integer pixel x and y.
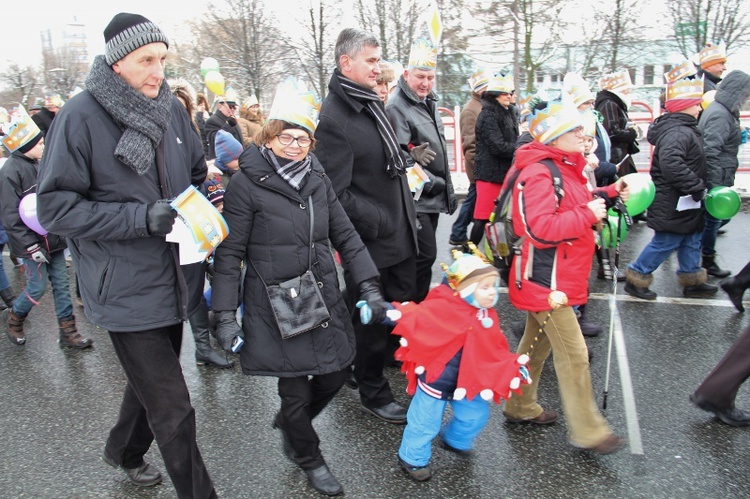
{"type": "Point", "coordinates": [286, 140]}
{"type": "Point", "coordinates": [505, 93]}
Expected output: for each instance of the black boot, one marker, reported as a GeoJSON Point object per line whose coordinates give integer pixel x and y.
{"type": "Point", "coordinates": [8, 297]}
{"type": "Point", "coordinates": [637, 285]}
{"type": "Point", "coordinates": [204, 354]}
{"type": "Point", "coordinates": [709, 263]}
{"type": "Point", "coordinates": [587, 328]}
{"type": "Point", "coordinates": [694, 285]}
{"type": "Point", "coordinates": [735, 290]}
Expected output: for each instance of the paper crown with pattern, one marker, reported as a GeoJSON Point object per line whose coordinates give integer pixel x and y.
{"type": "Point", "coordinates": [466, 266]}
{"type": "Point", "coordinates": [682, 70]}
{"type": "Point", "coordinates": [554, 120]}
{"type": "Point", "coordinates": [424, 48]}
{"type": "Point", "coordinates": [294, 103]}
{"type": "Point", "coordinates": [588, 120]}
{"type": "Point", "coordinates": [230, 96]}
{"type": "Point", "coordinates": [617, 81]}
{"type": "Point", "coordinates": [711, 54]}
{"type": "Point", "coordinates": [685, 89]}
{"type": "Point", "coordinates": [53, 100]}
{"type": "Point", "coordinates": [250, 102]}
{"type": "Point", "coordinates": [478, 81]}
{"type": "Point", "coordinates": [501, 83]}
{"type": "Point", "coordinates": [575, 90]}
{"type": "Point", "coordinates": [20, 133]}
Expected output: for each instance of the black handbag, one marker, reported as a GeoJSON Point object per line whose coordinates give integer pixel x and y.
{"type": "Point", "coordinates": [297, 303]}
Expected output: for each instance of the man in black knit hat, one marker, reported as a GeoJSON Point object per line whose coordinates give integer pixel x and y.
{"type": "Point", "coordinates": [116, 152]}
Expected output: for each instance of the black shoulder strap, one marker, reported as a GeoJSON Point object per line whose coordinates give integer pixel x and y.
{"type": "Point", "coordinates": [557, 181]}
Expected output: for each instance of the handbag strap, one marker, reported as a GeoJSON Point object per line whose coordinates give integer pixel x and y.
{"type": "Point", "coordinates": [312, 243]}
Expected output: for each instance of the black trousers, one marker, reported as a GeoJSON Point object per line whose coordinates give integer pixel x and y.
{"type": "Point", "coordinates": [722, 385]}
{"type": "Point", "coordinates": [398, 283]}
{"type": "Point", "coordinates": [302, 399]}
{"type": "Point", "coordinates": [427, 242]}
{"type": "Point", "coordinates": [157, 405]}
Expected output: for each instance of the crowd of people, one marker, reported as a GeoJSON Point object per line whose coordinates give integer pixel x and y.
{"type": "Point", "coordinates": [363, 177]}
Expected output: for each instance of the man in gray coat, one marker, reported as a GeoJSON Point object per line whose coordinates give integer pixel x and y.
{"type": "Point", "coordinates": [116, 152]}
{"type": "Point", "coordinates": [722, 134]}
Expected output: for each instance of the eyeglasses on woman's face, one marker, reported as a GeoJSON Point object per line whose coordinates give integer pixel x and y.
{"type": "Point", "coordinates": [286, 140]}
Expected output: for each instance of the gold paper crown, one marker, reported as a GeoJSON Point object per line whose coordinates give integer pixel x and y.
{"type": "Point", "coordinates": [711, 54]}
{"type": "Point", "coordinates": [549, 123]}
{"type": "Point", "coordinates": [686, 88]}
{"type": "Point", "coordinates": [20, 133]}
{"type": "Point", "coordinates": [230, 95]}
{"type": "Point", "coordinates": [575, 90]}
{"type": "Point", "coordinates": [617, 81]}
{"type": "Point", "coordinates": [478, 81]}
{"type": "Point", "coordinates": [53, 100]}
{"type": "Point", "coordinates": [683, 70]}
{"type": "Point", "coordinates": [294, 103]}
{"type": "Point", "coordinates": [464, 264]}
{"type": "Point", "coordinates": [250, 102]}
{"type": "Point", "coordinates": [589, 119]}
{"type": "Point", "coordinates": [423, 55]}
{"type": "Point", "coordinates": [501, 83]}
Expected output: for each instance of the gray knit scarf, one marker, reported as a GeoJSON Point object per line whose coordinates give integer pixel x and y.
{"type": "Point", "coordinates": [294, 172]}
{"type": "Point", "coordinates": [142, 119]}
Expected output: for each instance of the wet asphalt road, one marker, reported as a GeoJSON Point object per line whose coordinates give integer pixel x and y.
{"type": "Point", "coordinates": [56, 407]}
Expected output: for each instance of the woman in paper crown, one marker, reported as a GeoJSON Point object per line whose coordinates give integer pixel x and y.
{"type": "Point", "coordinates": [278, 192]}
{"type": "Point", "coordinates": [454, 351]}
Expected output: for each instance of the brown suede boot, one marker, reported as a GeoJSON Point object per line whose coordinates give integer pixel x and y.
{"type": "Point", "coordinates": [69, 335]}
{"type": "Point", "coordinates": [14, 327]}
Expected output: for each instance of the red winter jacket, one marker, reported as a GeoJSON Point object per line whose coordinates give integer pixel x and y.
{"type": "Point", "coordinates": [559, 241]}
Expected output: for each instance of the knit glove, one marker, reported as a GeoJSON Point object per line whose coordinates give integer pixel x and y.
{"type": "Point", "coordinates": [37, 253]}
{"type": "Point", "coordinates": [160, 218]}
{"type": "Point", "coordinates": [422, 154]}
{"type": "Point", "coordinates": [228, 332]}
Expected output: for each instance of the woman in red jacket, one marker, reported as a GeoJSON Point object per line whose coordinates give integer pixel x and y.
{"type": "Point", "coordinates": [557, 250]}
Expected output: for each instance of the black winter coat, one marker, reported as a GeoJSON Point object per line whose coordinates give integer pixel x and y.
{"type": "Point", "coordinates": [381, 207]}
{"type": "Point", "coordinates": [269, 225]}
{"type": "Point", "coordinates": [43, 119]}
{"type": "Point", "coordinates": [416, 122]}
{"type": "Point", "coordinates": [217, 122]}
{"type": "Point", "coordinates": [710, 82]}
{"type": "Point", "coordinates": [18, 178]}
{"type": "Point", "coordinates": [616, 121]}
{"type": "Point", "coordinates": [129, 280]}
{"type": "Point", "coordinates": [496, 136]}
{"type": "Point", "coordinates": [678, 168]}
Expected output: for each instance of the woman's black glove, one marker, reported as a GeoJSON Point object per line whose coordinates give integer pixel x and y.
{"type": "Point", "coordinates": [227, 329]}
{"type": "Point", "coordinates": [699, 196]}
{"type": "Point", "coordinates": [369, 291]}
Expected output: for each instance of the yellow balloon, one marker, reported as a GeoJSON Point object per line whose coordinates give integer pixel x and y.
{"type": "Point", "coordinates": [215, 82]}
{"type": "Point", "coordinates": [708, 98]}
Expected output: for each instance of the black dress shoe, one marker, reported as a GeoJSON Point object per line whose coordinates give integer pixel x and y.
{"type": "Point", "coordinates": [735, 291]}
{"type": "Point", "coordinates": [144, 475]}
{"type": "Point", "coordinates": [322, 480]}
{"type": "Point", "coordinates": [390, 413]}
{"type": "Point", "coordinates": [730, 415]}
{"type": "Point", "coordinates": [351, 381]}
{"type": "Point", "coordinates": [285, 443]}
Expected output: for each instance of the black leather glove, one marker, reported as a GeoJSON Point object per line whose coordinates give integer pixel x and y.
{"type": "Point", "coordinates": [370, 292]}
{"type": "Point", "coordinates": [422, 154]}
{"type": "Point", "coordinates": [435, 186]}
{"type": "Point", "coordinates": [160, 218]}
{"type": "Point", "coordinates": [37, 253]}
{"type": "Point", "coordinates": [699, 196]}
{"type": "Point", "coordinates": [227, 328]}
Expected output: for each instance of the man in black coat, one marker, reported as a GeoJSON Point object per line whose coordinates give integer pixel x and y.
{"type": "Point", "coordinates": [713, 62]}
{"type": "Point", "coordinates": [222, 119]}
{"type": "Point", "coordinates": [357, 147]}
{"type": "Point", "coordinates": [44, 117]}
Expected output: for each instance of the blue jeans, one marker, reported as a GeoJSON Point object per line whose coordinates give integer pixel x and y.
{"type": "Point", "coordinates": [662, 245]}
{"type": "Point", "coordinates": [710, 232]}
{"type": "Point", "coordinates": [3, 277]}
{"type": "Point", "coordinates": [424, 421]}
{"type": "Point", "coordinates": [37, 275]}
{"type": "Point", "coordinates": [465, 216]}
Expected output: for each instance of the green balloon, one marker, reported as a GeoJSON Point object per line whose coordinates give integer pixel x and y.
{"type": "Point", "coordinates": [722, 203]}
{"type": "Point", "coordinates": [642, 192]}
{"type": "Point", "coordinates": [610, 231]}
{"type": "Point", "coordinates": [209, 64]}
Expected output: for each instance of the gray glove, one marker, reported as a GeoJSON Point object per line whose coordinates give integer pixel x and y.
{"type": "Point", "coordinates": [422, 154]}
{"type": "Point", "coordinates": [160, 218]}
{"type": "Point", "coordinates": [227, 329]}
{"type": "Point", "coordinates": [37, 253]}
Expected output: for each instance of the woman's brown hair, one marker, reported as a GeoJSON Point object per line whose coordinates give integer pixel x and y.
{"type": "Point", "coordinates": [274, 127]}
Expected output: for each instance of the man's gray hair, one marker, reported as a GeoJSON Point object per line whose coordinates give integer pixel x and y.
{"type": "Point", "coordinates": [352, 41]}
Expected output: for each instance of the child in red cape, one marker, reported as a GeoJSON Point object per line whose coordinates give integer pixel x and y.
{"type": "Point", "coordinates": [453, 351]}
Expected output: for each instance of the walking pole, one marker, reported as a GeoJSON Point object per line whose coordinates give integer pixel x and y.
{"type": "Point", "coordinates": [612, 305]}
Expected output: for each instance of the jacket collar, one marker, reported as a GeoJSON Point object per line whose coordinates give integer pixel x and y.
{"type": "Point", "coordinates": [334, 85]}
{"type": "Point", "coordinates": [411, 95]}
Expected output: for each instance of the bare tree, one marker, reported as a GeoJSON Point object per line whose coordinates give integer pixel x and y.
{"type": "Point", "coordinates": [617, 41]}
{"type": "Point", "coordinates": [393, 21]}
{"type": "Point", "coordinates": [696, 22]}
{"type": "Point", "coordinates": [21, 82]}
{"type": "Point", "coordinates": [454, 66]}
{"type": "Point", "coordinates": [62, 71]}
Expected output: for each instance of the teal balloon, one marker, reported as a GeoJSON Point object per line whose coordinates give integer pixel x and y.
{"type": "Point", "coordinates": [610, 231]}
{"type": "Point", "coordinates": [642, 192]}
{"type": "Point", "coordinates": [209, 64]}
{"type": "Point", "coordinates": [723, 202]}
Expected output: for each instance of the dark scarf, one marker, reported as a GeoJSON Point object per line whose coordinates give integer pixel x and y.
{"type": "Point", "coordinates": [293, 172]}
{"type": "Point", "coordinates": [395, 161]}
{"type": "Point", "coordinates": [142, 119]}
